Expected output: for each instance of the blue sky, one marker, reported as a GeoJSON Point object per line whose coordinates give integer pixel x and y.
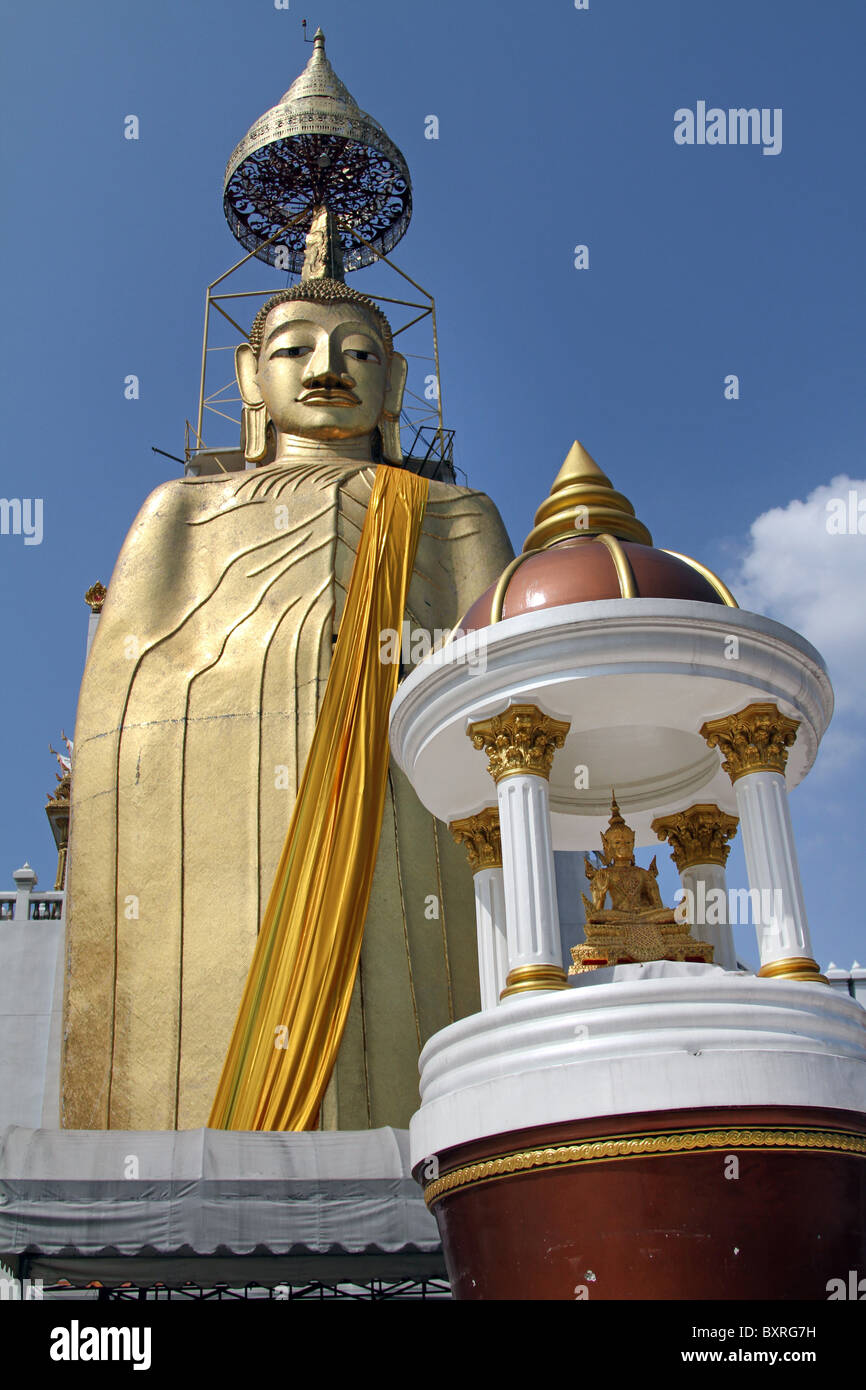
{"type": "Point", "coordinates": [555, 129]}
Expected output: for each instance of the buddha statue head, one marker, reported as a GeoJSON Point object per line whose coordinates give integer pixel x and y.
{"type": "Point", "coordinates": [618, 839]}
{"type": "Point", "coordinates": [321, 370]}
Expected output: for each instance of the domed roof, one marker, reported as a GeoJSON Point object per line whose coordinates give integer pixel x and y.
{"type": "Point", "coordinates": [587, 544]}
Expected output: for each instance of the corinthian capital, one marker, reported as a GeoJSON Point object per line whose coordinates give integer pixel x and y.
{"type": "Point", "coordinates": [482, 837]}
{"type": "Point", "coordinates": [521, 740]}
{"type": "Point", "coordinates": [755, 740]}
{"type": "Point", "coordinates": [699, 835]}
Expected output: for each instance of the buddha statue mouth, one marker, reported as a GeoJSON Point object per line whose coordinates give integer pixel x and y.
{"type": "Point", "coordinates": [334, 395]}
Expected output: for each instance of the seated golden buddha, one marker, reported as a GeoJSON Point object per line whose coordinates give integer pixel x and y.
{"type": "Point", "coordinates": [637, 926]}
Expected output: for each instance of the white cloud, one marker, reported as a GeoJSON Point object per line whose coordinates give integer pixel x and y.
{"type": "Point", "coordinates": [814, 580]}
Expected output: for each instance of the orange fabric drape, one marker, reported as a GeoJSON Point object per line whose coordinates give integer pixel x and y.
{"type": "Point", "coordinates": [299, 986]}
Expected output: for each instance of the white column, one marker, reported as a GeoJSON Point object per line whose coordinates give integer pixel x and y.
{"type": "Point", "coordinates": [771, 861]}
{"type": "Point", "coordinates": [754, 745]}
{"type": "Point", "coordinates": [479, 834]}
{"type": "Point", "coordinates": [707, 888]}
{"type": "Point", "coordinates": [92, 625]}
{"type": "Point", "coordinates": [531, 909]}
{"type": "Point", "coordinates": [520, 744]}
{"type": "Point", "coordinates": [94, 598]}
{"type": "Point", "coordinates": [492, 940]}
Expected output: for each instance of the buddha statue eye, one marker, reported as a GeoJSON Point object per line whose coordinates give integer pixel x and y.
{"type": "Point", "coordinates": [297, 351]}
{"type": "Point", "coordinates": [362, 354]}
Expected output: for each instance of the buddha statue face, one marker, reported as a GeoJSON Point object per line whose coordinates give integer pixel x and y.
{"type": "Point", "coordinates": [323, 372]}
{"type": "Point", "coordinates": [619, 845]}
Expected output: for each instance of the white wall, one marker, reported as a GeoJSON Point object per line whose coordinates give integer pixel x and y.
{"type": "Point", "coordinates": [31, 1006]}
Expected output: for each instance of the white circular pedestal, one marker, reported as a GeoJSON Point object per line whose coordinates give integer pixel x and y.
{"type": "Point", "coordinates": [653, 1037]}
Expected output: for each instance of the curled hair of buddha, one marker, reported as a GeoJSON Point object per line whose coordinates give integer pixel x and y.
{"type": "Point", "coordinates": [319, 291]}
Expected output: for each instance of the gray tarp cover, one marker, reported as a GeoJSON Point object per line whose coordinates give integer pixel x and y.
{"type": "Point", "coordinates": [206, 1192]}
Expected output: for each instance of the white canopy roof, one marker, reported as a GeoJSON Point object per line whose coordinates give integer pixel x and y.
{"type": "Point", "coordinates": [170, 1200]}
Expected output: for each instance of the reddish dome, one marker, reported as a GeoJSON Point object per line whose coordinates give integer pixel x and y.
{"type": "Point", "coordinates": [588, 544]}
{"type": "Point", "coordinates": [581, 570]}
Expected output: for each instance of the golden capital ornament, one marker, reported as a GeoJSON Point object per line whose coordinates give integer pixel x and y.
{"type": "Point", "coordinates": [481, 837]}
{"type": "Point", "coordinates": [520, 740]}
{"type": "Point", "coordinates": [699, 835]}
{"type": "Point", "coordinates": [756, 739]}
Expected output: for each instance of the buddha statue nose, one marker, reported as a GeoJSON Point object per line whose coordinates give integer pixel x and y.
{"type": "Point", "coordinates": [326, 366]}
{"type": "Point", "coordinates": [327, 379]}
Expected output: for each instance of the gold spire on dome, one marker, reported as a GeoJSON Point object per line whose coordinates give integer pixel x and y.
{"type": "Point", "coordinates": [583, 502]}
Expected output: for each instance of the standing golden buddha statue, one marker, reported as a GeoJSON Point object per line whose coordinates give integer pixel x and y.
{"type": "Point", "coordinates": [198, 707]}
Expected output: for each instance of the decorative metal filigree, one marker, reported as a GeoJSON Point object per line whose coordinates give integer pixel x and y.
{"type": "Point", "coordinates": [368, 194]}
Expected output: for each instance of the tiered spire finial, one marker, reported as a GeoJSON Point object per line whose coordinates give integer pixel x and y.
{"type": "Point", "coordinates": [583, 500]}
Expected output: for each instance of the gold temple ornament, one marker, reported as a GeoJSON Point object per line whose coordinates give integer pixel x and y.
{"type": "Point", "coordinates": [699, 835]}
{"type": "Point", "coordinates": [95, 597]}
{"type": "Point", "coordinates": [756, 739]}
{"type": "Point", "coordinates": [482, 837]}
{"type": "Point", "coordinates": [521, 741]}
{"type": "Point", "coordinates": [57, 806]}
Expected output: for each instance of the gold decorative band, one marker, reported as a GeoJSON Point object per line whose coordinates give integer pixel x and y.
{"type": "Point", "coordinates": [525, 977]}
{"type": "Point", "coordinates": [721, 589]}
{"type": "Point", "coordinates": [624, 572]}
{"type": "Point", "coordinates": [497, 603]}
{"type": "Point", "coordinates": [642, 1146]}
{"type": "Point", "coordinates": [793, 968]}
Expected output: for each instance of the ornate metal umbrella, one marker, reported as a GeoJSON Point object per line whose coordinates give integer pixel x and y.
{"type": "Point", "coordinates": [317, 147]}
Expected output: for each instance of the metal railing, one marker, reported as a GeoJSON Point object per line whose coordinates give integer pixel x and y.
{"type": "Point", "coordinates": [32, 907]}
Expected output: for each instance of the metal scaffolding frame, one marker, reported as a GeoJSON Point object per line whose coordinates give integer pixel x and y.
{"type": "Point", "coordinates": [194, 442]}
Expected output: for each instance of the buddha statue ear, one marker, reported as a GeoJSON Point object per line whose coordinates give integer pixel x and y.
{"type": "Point", "coordinates": [389, 425]}
{"type": "Point", "coordinates": [254, 415]}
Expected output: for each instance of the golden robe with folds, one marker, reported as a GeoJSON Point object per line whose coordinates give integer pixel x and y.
{"type": "Point", "coordinates": [197, 708]}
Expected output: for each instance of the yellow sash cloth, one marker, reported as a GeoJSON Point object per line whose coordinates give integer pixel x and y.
{"type": "Point", "coordinates": [297, 995]}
